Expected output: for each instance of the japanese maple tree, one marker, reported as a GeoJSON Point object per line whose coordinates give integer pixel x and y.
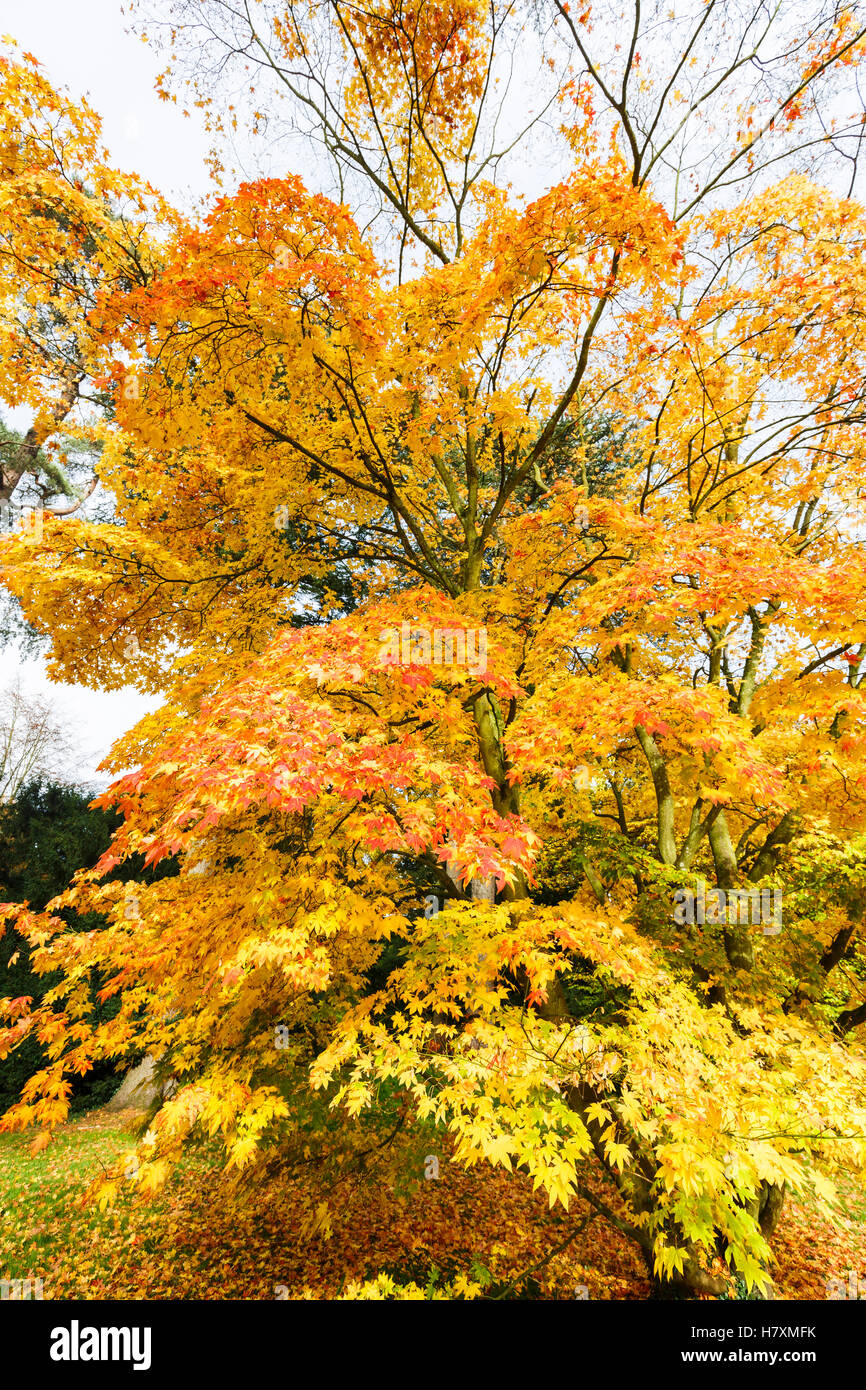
{"type": "Point", "coordinates": [329, 438]}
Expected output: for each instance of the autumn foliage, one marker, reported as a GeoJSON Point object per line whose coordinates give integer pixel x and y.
{"type": "Point", "coordinates": [318, 436]}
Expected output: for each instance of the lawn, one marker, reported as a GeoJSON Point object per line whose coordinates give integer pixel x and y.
{"type": "Point", "coordinates": [195, 1241]}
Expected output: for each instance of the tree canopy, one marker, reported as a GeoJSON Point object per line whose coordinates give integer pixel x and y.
{"type": "Point", "coordinates": [606, 436]}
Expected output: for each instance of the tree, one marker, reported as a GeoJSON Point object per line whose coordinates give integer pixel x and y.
{"type": "Point", "coordinates": [33, 742]}
{"type": "Point", "coordinates": [657, 682]}
{"type": "Point", "coordinates": [70, 228]}
{"type": "Point", "coordinates": [47, 832]}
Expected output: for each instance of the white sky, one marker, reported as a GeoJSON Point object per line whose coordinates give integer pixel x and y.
{"type": "Point", "coordinates": [83, 47]}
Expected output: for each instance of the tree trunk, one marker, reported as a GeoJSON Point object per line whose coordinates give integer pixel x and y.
{"type": "Point", "coordinates": [739, 947]}
{"type": "Point", "coordinates": [771, 1201]}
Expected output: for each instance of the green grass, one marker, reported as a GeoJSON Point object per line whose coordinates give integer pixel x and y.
{"type": "Point", "coordinates": [80, 1251]}
{"type": "Point", "coordinates": [40, 1215]}
{"type": "Point", "coordinates": [853, 1198]}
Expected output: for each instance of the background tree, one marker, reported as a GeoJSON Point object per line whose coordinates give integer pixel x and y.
{"type": "Point", "coordinates": [47, 833]}
{"type": "Point", "coordinates": [33, 741]}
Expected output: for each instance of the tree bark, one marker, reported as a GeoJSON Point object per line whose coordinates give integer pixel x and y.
{"type": "Point", "coordinates": [23, 459]}
{"type": "Point", "coordinates": [850, 1018]}
{"type": "Point", "coordinates": [831, 957]}
{"type": "Point", "coordinates": [666, 839]}
{"type": "Point", "coordinates": [739, 947]}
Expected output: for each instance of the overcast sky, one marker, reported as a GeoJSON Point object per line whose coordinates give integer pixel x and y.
{"type": "Point", "coordinates": [84, 47]}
